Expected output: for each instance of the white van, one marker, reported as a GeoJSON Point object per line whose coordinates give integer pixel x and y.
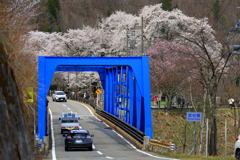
{"type": "Point", "coordinates": [69, 121]}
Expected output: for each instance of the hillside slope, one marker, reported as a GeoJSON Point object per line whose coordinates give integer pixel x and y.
{"type": "Point", "coordinates": [78, 13]}
{"type": "Point", "coordinates": [14, 137]}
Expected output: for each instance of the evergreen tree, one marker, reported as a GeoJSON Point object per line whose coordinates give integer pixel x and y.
{"type": "Point", "coordinates": [216, 10]}
{"type": "Point", "coordinates": [166, 5]}
{"type": "Point", "coordinates": [53, 7]}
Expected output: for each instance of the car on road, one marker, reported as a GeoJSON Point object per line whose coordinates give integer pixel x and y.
{"type": "Point", "coordinates": [59, 96]}
{"type": "Point", "coordinates": [237, 148]}
{"type": "Point", "coordinates": [69, 121]}
{"type": "Point", "coordinates": [78, 139]}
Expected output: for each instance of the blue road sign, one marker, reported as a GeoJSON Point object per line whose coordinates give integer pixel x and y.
{"type": "Point", "coordinates": [194, 116]}
{"type": "Point", "coordinates": [235, 52]}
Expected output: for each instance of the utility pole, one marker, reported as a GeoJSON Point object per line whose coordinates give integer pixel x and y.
{"type": "Point", "coordinates": [68, 94]}
{"type": "Point", "coordinates": [131, 36]}
{"type": "Point", "coordinates": [34, 131]}
{"type": "Point", "coordinates": [127, 53]}
{"type": "Point", "coordinates": [142, 35]}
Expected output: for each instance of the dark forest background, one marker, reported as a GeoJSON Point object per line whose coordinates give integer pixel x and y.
{"type": "Point", "coordinates": [61, 15]}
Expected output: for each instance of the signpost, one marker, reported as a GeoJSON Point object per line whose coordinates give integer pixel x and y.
{"type": "Point", "coordinates": [98, 91]}
{"type": "Point", "coordinates": [194, 117]}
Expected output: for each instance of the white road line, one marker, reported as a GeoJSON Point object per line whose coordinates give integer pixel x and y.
{"type": "Point", "coordinates": [155, 156]}
{"type": "Point", "coordinates": [93, 146]}
{"type": "Point", "coordinates": [124, 139]}
{"type": "Point", "coordinates": [69, 109]}
{"type": "Point", "coordinates": [99, 152]}
{"type": "Point", "coordinates": [109, 157]}
{"type": "Point", "coordinates": [106, 124]}
{"type": "Point", "coordinates": [88, 109]}
{"type": "Point", "coordinates": [53, 140]}
{"type": "Point", "coordinates": [64, 105]}
{"type": "Point", "coordinates": [118, 134]}
{"type": "Point", "coordinates": [98, 119]}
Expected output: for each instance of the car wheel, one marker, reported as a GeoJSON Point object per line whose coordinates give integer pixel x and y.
{"type": "Point", "coordinates": [53, 100]}
{"type": "Point", "coordinates": [66, 149]}
{"type": "Point", "coordinates": [238, 154]}
{"type": "Point", "coordinates": [90, 148]}
{"type": "Point", "coordinates": [65, 100]}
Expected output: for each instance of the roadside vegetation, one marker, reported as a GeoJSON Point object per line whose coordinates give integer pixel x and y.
{"type": "Point", "coordinates": [171, 126]}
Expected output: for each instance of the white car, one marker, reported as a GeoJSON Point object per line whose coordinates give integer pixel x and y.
{"type": "Point", "coordinates": [59, 96]}
{"type": "Point", "coordinates": [237, 148]}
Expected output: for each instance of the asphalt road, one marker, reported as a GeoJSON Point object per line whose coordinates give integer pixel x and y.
{"type": "Point", "coordinates": [108, 144]}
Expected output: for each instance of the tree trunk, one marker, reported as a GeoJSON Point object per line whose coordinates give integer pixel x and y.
{"type": "Point", "coordinates": [213, 129]}
{"type": "Point", "coordinates": [185, 137]}
{"type": "Point", "coordinates": [169, 100]}
{"type": "Point", "coordinates": [203, 122]}
{"type": "Point", "coordinates": [213, 138]}
{"type": "Point", "coordinates": [238, 126]}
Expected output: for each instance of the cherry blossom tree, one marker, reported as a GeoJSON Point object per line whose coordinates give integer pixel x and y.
{"type": "Point", "coordinates": [212, 64]}
{"type": "Point", "coordinates": [83, 42]}
{"type": "Point", "coordinates": [197, 34]}
{"type": "Point", "coordinates": [169, 65]}
{"type": "Point", "coordinates": [116, 27]}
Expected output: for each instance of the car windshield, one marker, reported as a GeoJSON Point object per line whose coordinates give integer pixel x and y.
{"type": "Point", "coordinates": [59, 93]}
{"type": "Point", "coordinates": [79, 135]}
{"type": "Point", "coordinates": [69, 115]}
{"type": "Point", "coordinates": [70, 121]}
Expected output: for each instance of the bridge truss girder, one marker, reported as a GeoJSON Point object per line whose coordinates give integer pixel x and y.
{"type": "Point", "coordinates": [125, 80]}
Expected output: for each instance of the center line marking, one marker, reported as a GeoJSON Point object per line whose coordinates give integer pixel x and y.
{"type": "Point", "coordinates": [109, 157]}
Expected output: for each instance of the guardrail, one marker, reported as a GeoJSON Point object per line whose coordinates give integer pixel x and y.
{"type": "Point", "coordinates": [87, 101]}
{"type": "Point", "coordinates": [157, 143]}
{"type": "Point", "coordinates": [130, 130]}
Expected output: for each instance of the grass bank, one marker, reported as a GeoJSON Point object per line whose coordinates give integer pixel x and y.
{"type": "Point", "coordinates": [171, 126]}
